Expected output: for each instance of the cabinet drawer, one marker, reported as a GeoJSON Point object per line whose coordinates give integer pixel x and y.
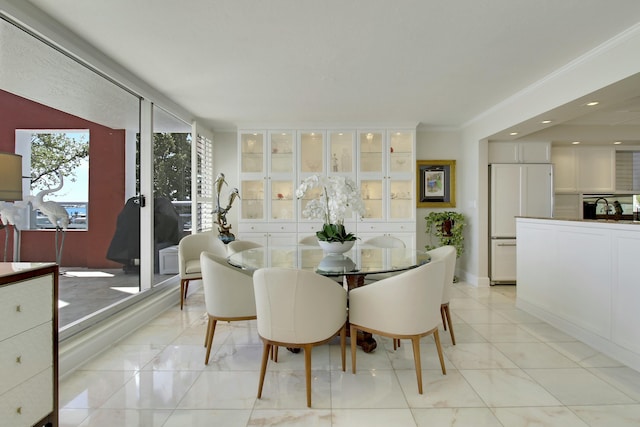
{"type": "Point", "coordinates": [24, 305]}
{"type": "Point", "coordinates": [29, 402]}
{"type": "Point", "coordinates": [24, 355]}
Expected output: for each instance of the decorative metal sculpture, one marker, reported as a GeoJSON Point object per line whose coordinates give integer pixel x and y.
{"type": "Point", "coordinates": [221, 213]}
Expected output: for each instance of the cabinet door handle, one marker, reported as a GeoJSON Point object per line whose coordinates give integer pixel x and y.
{"type": "Point", "coordinates": [19, 359]}
{"type": "Point", "coordinates": [18, 308]}
{"type": "Point", "coordinates": [506, 244]}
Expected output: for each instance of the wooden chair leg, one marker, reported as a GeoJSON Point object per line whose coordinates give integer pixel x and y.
{"type": "Point", "coordinates": [343, 345]}
{"type": "Point", "coordinates": [416, 358]}
{"type": "Point", "coordinates": [211, 329]}
{"type": "Point", "coordinates": [448, 316]}
{"type": "Point", "coordinates": [442, 314]}
{"type": "Point", "coordinates": [182, 291]}
{"type": "Point", "coordinates": [436, 338]}
{"type": "Point", "coordinates": [206, 335]}
{"type": "Point", "coordinates": [396, 344]}
{"type": "Point", "coordinates": [307, 370]}
{"type": "Point", "coordinates": [263, 366]}
{"type": "Point", "coordinates": [353, 334]}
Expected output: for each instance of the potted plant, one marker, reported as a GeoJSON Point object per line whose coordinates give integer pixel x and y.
{"type": "Point", "coordinates": [338, 194]}
{"type": "Point", "coordinates": [447, 227]}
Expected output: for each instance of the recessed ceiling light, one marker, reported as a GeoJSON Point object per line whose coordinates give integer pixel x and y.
{"type": "Point", "coordinates": [617, 142]}
{"type": "Point", "coordinates": [576, 142]}
{"type": "Point", "coordinates": [544, 122]}
{"type": "Point", "coordinates": [592, 103]}
{"type": "Point", "coordinates": [513, 133]}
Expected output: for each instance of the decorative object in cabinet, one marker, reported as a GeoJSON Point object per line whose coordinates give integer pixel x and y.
{"type": "Point", "coordinates": [28, 344]}
{"type": "Point", "coordinates": [341, 145]}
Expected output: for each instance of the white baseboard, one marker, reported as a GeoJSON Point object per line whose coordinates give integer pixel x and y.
{"type": "Point", "coordinates": [76, 350]}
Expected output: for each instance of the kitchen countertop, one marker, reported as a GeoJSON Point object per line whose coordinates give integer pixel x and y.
{"type": "Point", "coordinates": [587, 222]}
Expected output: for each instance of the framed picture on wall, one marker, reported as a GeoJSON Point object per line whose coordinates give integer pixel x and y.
{"type": "Point", "coordinates": [436, 182]}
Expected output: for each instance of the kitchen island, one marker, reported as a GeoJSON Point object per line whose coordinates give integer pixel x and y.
{"type": "Point", "coordinates": [582, 276]}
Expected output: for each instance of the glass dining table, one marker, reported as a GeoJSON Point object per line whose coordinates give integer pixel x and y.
{"type": "Point", "coordinates": [350, 268]}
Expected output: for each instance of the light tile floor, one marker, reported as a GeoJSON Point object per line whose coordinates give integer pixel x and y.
{"type": "Point", "coordinates": [507, 369]}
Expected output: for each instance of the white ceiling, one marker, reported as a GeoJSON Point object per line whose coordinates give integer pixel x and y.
{"type": "Point", "coordinates": [429, 62]}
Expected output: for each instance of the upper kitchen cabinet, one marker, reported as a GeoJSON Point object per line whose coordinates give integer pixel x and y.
{"type": "Point", "coordinates": [584, 169]}
{"type": "Point", "coordinates": [520, 152]}
{"type": "Point", "coordinates": [628, 171]}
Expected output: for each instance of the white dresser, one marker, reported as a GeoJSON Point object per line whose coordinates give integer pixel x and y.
{"type": "Point", "coordinates": [28, 344]}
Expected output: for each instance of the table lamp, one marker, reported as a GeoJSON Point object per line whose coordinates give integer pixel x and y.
{"type": "Point", "coordinates": [10, 177]}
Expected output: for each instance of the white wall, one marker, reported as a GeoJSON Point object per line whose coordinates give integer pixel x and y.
{"type": "Point", "coordinates": [438, 145]}
{"type": "Point", "coordinates": [607, 64]}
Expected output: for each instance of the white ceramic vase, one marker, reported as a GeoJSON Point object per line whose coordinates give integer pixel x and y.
{"type": "Point", "coordinates": [336, 247]}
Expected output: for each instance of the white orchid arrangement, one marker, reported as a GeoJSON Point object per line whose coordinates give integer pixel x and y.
{"type": "Point", "coordinates": [338, 194]}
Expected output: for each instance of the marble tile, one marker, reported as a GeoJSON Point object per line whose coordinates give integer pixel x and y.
{"type": "Point", "coordinates": [366, 389]}
{"type": "Point", "coordinates": [545, 416]}
{"type": "Point", "coordinates": [124, 357]}
{"type": "Point", "coordinates": [438, 390]}
{"type": "Point", "coordinates": [578, 387]}
{"type": "Point", "coordinates": [126, 418]}
{"type": "Point", "coordinates": [455, 417]}
{"type": "Point", "coordinates": [534, 355]}
{"type": "Point", "coordinates": [153, 390]}
{"type": "Point", "coordinates": [373, 418]}
{"type": "Point", "coordinates": [546, 332]}
{"type": "Point", "coordinates": [208, 417]}
{"type": "Point", "coordinates": [221, 390]}
{"type": "Point", "coordinates": [464, 334]}
{"type": "Point", "coordinates": [508, 387]}
{"type": "Point", "coordinates": [289, 418]}
{"type": "Point", "coordinates": [624, 379]}
{"type": "Point", "coordinates": [288, 390]}
{"type": "Point", "coordinates": [508, 369]}
{"type": "Point", "coordinates": [90, 389]}
{"type": "Point", "coordinates": [609, 415]}
{"type": "Point", "coordinates": [499, 332]}
{"type": "Point", "coordinates": [481, 316]}
{"type": "Point", "coordinates": [477, 356]}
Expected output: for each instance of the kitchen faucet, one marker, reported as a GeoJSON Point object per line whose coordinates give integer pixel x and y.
{"type": "Point", "coordinates": [606, 206]}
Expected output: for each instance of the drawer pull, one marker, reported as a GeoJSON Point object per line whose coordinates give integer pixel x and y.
{"type": "Point", "coordinates": [19, 359]}
{"type": "Point", "coordinates": [19, 410]}
{"type": "Point", "coordinates": [18, 308]}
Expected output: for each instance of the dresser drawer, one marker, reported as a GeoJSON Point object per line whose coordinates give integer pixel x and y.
{"type": "Point", "coordinates": [24, 305]}
{"type": "Point", "coordinates": [29, 402]}
{"type": "Point", "coordinates": [24, 355]}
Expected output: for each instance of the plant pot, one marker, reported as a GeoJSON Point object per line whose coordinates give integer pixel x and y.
{"type": "Point", "coordinates": [447, 224]}
{"type": "Point", "coordinates": [336, 247]}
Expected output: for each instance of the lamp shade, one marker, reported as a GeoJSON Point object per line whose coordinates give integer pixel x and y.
{"type": "Point", "coordinates": [10, 177]}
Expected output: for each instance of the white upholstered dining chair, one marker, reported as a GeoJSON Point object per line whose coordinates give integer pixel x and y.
{"type": "Point", "coordinates": [228, 294]}
{"type": "Point", "coordinates": [189, 249]}
{"type": "Point", "coordinates": [298, 309]}
{"type": "Point", "coordinates": [448, 255]}
{"type": "Point", "coordinates": [405, 306]}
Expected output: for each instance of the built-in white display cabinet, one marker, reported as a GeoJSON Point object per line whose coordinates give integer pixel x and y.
{"type": "Point", "coordinates": [273, 163]}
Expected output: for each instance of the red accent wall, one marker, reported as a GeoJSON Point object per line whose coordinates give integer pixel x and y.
{"type": "Point", "coordinates": [106, 184]}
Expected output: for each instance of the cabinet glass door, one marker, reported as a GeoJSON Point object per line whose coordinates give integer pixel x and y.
{"type": "Point", "coordinates": [341, 152]}
{"type": "Point", "coordinates": [282, 200]}
{"type": "Point", "coordinates": [252, 195]}
{"type": "Point", "coordinates": [252, 152]}
{"type": "Point", "coordinates": [372, 192]}
{"type": "Point", "coordinates": [312, 152]}
{"type": "Point", "coordinates": [401, 201]}
{"type": "Point", "coordinates": [282, 157]}
{"type": "Point", "coordinates": [401, 152]}
{"type": "Point", "coordinates": [371, 152]}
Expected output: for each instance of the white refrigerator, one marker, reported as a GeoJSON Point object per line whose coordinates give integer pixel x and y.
{"type": "Point", "coordinates": [515, 190]}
